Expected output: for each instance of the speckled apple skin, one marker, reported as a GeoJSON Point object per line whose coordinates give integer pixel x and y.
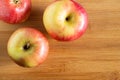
{"type": "Point", "coordinates": [58, 27]}
{"type": "Point", "coordinates": [35, 55]}
{"type": "Point", "coordinates": [14, 13]}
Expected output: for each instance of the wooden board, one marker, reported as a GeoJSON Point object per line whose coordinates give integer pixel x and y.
{"type": "Point", "coordinates": [95, 56]}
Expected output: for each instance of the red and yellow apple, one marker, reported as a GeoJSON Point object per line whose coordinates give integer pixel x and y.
{"type": "Point", "coordinates": [14, 11]}
{"type": "Point", "coordinates": [28, 47]}
{"type": "Point", "coordinates": [65, 20]}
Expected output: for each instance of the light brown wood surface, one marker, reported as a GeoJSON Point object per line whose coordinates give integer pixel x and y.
{"type": "Point", "coordinates": [95, 56]}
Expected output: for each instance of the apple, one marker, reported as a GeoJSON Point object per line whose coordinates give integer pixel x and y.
{"type": "Point", "coordinates": [65, 20]}
{"type": "Point", "coordinates": [28, 47]}
{"type": "Point", "coordinates": [14, 11]}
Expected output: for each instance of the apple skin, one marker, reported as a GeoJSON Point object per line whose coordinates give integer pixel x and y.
{"type": "Point", "coordinates": [65, 20]}
{"type": "Point", "coordinates": [28, 47]}
{"type": "Point", "coordinates": [14, 11]}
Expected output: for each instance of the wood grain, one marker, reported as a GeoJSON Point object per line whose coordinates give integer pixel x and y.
{"type": "Point", "coordinates": [95, 56]}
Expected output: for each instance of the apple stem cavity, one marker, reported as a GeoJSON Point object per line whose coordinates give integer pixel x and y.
{"type": "Point", "coordinates": [16, 1]}
{"type": "Point", "coordinates": [68, 18]}
{"type": "Point", "coordinates": [27, 46]}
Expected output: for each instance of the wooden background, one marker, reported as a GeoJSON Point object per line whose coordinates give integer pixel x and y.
{"type": "Point", "coordinates": [95, 56]}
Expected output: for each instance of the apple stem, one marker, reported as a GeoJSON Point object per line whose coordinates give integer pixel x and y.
{"type": "Point", "coordinates": [27, 46]}
{"type": "Point", "coordinates": [68, 18]}
{"type": "Point", "coordinates": [16, 1]}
